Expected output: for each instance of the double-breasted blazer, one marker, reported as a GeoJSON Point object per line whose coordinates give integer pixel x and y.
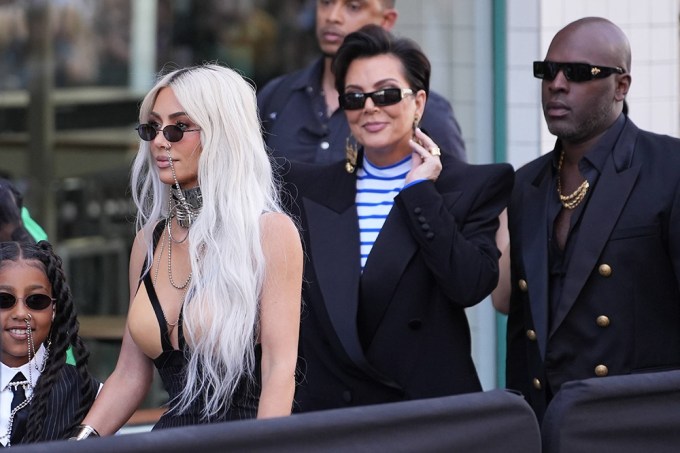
{"type": "Point", "coordinates": [397, 331]}
{"type": "Point", "coordinates": [619, 310]}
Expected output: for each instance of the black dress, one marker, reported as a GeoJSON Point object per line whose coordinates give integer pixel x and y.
{"type": "Point", "coordinates": [171, 366]}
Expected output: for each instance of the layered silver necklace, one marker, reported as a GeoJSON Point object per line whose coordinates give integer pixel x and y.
{"type": "Point", "coordinates": [183, 205]}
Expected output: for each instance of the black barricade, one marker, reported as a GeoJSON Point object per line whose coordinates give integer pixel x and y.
{"type": "Point", "coordinates": [631, 413]}
{"type": "Point", "coordinates": [479, 422]}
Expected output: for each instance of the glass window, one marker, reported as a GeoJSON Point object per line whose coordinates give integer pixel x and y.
{"type": "Point", "coordinates": [92, 41]}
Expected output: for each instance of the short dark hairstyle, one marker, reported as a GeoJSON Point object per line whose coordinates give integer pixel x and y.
{"type": "Point", "coordinates": [373, 40]}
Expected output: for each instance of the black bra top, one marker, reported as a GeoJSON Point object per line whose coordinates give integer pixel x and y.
{"type": "Point", "coordinates": [166, 344]}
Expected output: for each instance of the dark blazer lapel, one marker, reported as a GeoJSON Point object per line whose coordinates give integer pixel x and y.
{"type": "Point", "coordinates": [604, 208]}
{"type": "Point", "coordinates": [391, 253]}
{"type": "Point", "coordinates": [334, 244]}
{"type": "Point", "coordinates": [535, 250]}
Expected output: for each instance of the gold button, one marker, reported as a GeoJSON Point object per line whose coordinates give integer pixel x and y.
{"type": "Point", "coordinates": [531, 335]}
{"type": "Point", "coordinates": [601, 371]}
{"type": "Point", "coordinates": [523, 285]}
{"type": "Point", "coordinates": [602, 321]}
{"type": "Point", "coordinates": [537, 384]}
{"type": "Point", "coordinates": [605, 270]}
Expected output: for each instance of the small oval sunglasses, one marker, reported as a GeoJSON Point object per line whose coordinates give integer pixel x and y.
{"type": "Point", "coordinates": [33, 302]}
{"type": "Point", "coordinates": [171, 132]}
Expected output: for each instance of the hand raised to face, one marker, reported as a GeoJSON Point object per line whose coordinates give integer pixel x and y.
{"type": "Point", "coordinates": [427, 162]}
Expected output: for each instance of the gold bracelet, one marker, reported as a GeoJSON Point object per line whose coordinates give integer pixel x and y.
{"type": "Point", "coordinates": [83, 432]}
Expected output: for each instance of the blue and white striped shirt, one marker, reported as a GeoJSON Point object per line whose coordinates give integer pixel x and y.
{"type": "Point", "coordinates": [376, 189]}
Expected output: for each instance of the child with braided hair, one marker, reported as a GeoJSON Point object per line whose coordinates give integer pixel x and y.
{"type": "Point", "coordinates": [42, 397]}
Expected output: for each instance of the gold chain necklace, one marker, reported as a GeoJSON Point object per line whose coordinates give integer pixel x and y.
{"type": "Point", "coordinates": [575, 198]}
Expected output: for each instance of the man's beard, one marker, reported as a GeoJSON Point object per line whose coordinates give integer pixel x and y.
{"type": "Point", "coordinates": [596, 122]}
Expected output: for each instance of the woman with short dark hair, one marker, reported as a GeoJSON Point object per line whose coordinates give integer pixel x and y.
{"type": "Point", "coordinates": [400, 240]}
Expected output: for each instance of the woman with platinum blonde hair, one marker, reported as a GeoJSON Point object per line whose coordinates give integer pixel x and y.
{"type": "Point", "coordinates": [215, 270]}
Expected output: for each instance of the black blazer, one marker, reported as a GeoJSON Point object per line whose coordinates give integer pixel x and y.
{"type": "Point", "coordinates": [398, 331]}
{"type": "Point", "coordinates": [64, 401]}
{"type": "Point", "coordinates": [620, 307]}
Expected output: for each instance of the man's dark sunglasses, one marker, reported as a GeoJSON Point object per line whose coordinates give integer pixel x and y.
{"type": "Point", "coordinates": [34, 301]}
{"type": "Point", "coordinates": [574, 72]}
{"type": "Point", "coordinates": [387, 96]}
{"type": "Point", "coordinates": [172, 133]}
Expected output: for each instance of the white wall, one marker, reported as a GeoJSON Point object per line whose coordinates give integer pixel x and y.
{"type": "Point", "coordinates": [523, 46]}
{"type": "Point", "coordinates": [456, 35]}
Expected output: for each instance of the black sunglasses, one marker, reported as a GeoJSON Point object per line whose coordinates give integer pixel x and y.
{"type": "Point", "coordinates": [574, 72]}
{"type": "Point", "coordinates": [387, 96]}
{"type": "Point", "coordinates": [34, 301]}
{"type": "Point", "coordinates": [172, 133]}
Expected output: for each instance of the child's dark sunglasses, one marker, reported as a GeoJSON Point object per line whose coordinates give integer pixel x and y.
{"type": "Point", "coordinates": [387, 96]}
{"type": "Point", "coordinates": [172, 133]}
{"type": "Point", "coordinates": [34, 301]}
{"type": "Point", "coordinates": [574, 72]}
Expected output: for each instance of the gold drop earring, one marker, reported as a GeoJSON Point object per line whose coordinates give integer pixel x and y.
{"type": "Point", "coordinates": [351, 153]}
{"type": "Point", "coordinates": [416, 123]}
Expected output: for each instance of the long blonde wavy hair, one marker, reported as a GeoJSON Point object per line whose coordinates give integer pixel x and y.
{"type": "Point", "coordinates": [220, 313]}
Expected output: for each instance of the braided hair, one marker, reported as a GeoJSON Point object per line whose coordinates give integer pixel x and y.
{"type": "Point", "coordinates": [63, 333]}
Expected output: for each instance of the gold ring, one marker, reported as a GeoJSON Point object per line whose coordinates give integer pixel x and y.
{"type": "Point", "coordinates": [435, 151]}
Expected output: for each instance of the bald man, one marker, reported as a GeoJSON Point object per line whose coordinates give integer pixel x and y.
{"type": "Point", "coordinates": [594, 228]}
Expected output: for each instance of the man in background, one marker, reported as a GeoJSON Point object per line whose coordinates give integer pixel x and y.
{"type": "Point", "coordinates": [300, 111]}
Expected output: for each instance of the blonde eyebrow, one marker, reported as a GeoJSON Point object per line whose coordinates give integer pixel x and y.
{"type": "Point", "coordinates": [171, 116]}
